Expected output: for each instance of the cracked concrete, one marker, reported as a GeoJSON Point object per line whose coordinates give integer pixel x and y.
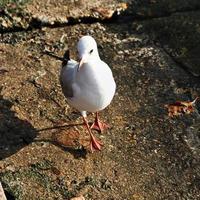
{"type": "Point", "coordinates": [146, 154]}
{"type": "Point", "coordinates": [181, 43]}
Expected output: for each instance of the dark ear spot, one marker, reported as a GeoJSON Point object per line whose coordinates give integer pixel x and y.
{"type": "Point", "coordinates": [91, 51]}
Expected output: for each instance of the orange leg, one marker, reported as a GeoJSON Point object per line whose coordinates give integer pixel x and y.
{"type": "Point", "coordinates": [94, 143]}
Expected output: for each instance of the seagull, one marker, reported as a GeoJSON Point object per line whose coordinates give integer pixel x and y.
{"type": "Point", "coordinates": [88, 85]}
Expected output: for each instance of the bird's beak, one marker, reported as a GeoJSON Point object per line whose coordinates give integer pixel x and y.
{"type": "Point", "coordinates": [82, 61]}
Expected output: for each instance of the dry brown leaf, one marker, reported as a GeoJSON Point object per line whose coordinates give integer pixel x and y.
{"type": "Point", "coordinates": [181, 107]}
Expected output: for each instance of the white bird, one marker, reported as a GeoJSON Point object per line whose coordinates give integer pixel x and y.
{"type": "Point", "coordinates": [89, 85]}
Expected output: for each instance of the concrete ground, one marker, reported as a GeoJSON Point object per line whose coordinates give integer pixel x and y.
{"type": "Point", "coordinates": [152, 49]}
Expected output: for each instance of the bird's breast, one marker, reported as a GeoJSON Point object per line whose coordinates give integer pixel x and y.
{"type": "Point", "coordinates": [94, 87]}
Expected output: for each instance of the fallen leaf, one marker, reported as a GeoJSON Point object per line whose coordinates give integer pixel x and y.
{"type": "Point", "coordinates": [181, 107]}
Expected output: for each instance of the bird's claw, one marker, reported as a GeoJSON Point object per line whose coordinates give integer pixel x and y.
{"type": "Point", "coordinates": [99, 126]}
{"type": "Point", "coordinates": [95, 144]}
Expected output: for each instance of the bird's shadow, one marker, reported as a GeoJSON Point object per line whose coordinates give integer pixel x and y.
{"type": "Point", "coordinates": [76, 151]}
{"type": "Point", "coordinates": [15, 133]}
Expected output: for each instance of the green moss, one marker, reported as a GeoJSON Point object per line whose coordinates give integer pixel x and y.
{"type": "Point", "coordinates": [4, 3]}
{"type": "Point", "coordinates": [13, 15]}
{"type": "Point", "coordinates": [11, 184]}
{"type": "Point", "coordinates": [38, 174]}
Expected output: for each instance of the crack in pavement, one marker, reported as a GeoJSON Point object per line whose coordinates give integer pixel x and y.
{"type": "Point", "coordinates": [165, 14]}
{"type": "Point", "coordinates": [179, 63]}
{"type": "Point", "coordinates": [37, 23]}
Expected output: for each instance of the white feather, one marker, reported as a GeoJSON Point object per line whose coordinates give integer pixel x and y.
{"type": "Point", "coordinates": [93, 85]}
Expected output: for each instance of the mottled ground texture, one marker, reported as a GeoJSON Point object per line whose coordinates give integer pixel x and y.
{"type": "Point", "coordinates": [153, 50]}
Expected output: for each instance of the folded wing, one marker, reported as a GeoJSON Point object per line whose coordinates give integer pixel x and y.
{"type": "Point", "coordinates": [69, 68]}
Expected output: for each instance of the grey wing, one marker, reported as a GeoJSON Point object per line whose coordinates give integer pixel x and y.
{"type": "Point", "coordinates": [67, 75]}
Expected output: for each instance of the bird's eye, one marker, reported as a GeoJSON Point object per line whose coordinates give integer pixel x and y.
{"type": "Point", "coordinates": [91, 51]}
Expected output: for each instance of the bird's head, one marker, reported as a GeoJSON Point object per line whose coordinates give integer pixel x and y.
{"type": "Point", "coordinates": [87, 49]}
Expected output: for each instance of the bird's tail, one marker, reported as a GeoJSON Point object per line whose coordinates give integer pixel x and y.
{"type": "Point", "coordinates": [66, 58]}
